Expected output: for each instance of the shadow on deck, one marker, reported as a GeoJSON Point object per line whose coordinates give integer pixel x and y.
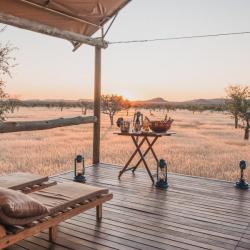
{"type": "Point", "coordinates": [194, 213]}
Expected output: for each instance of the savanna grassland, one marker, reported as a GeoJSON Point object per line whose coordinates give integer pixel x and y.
{"type": "Point", "coordinates": [206, 144]}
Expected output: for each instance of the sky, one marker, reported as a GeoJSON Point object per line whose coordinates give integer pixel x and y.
{"type": "Point", "coordinates": [175, 70]}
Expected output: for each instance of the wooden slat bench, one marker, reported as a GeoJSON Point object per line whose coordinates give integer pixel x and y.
{"type": "Point", "coordinates": [64, 200]}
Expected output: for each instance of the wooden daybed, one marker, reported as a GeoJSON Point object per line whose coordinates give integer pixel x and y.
{"type": "Point", "coordinates": [63, 200]}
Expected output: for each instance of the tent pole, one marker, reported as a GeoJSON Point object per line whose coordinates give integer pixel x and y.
{"type": "Point", "coordinates": [97, 106]}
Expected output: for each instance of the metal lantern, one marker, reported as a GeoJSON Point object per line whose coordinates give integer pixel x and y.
{"type": "Point", "coordinates": [137, 121]}
{"type": "Point", "coordinates": [162, 175]}
{"type": "Point", "coordinates": [242, 184]}
{"type": "Point", "coordinates": [119, 122]}
{"type": "Point", "coordinates": [79, 169]}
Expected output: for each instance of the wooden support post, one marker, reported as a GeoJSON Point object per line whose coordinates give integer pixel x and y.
{"type": "Point", "coordinates": [52, 233]}
{"type": "Point", "coordinates": [97, 106]}
{"type": "Point", "coordinates": [99, 212]}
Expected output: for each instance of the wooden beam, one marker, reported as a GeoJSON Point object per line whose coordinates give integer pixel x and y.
{"type": "Point", "coordinates": [51, 31]}
{"type": "Point", "coordinates": [8, 127]}
{"type": "Point", "coordinates": [97, 107]}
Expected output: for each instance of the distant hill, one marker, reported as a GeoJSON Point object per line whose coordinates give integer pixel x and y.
{"type": "Point", "coordinates": [159, 100]}
{"type": "Point", "coordinates": [156, 100]}
{"type": "Point", "coordinates": [214, 101]}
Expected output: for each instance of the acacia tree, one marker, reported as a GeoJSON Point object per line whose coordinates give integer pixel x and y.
{"type": "Point", "coordinates": [194, 108]}
{"type": "Point", "coordinates": [245, 116]}
{"type": "Point", "coordinates": [236, 95]}
{"type": "Point", "coordinates": [169, 107]}
{"type": "Point", "coordinates": [61, 105]}
{"type": "Point", "coordinates": [84, 105]}
{"type": "Point", "coordinates": [6, 63]}
{"type": "Point", "coordinates": [111, 104]}
{"type": "Point", "coordinates": [239, 106]}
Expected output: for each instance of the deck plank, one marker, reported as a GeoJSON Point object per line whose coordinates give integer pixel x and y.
{"type": "Point", "coordinates": [194, 213]}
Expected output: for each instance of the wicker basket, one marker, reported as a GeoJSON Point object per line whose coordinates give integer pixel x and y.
{"type": "Point", "coordinates": [159, 126]}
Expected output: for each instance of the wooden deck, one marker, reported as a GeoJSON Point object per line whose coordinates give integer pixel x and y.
{"type": "Point", "coordinates": [194, 213]}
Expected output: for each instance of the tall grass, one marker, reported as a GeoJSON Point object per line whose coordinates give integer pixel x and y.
{"type": "Point", "coordinates": [206, 145]}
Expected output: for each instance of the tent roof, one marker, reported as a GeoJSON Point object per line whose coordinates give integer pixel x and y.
{"type": "Point", "coordinates": [80, 18]}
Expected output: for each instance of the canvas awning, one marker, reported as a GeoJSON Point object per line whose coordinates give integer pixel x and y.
{"type": "Point", "coordinates": [76, 20]}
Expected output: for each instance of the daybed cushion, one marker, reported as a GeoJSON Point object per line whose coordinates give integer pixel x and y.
{"type": "Point", "coordinates": [6, 220]}
{"type": "Point", "coordinates": [2, 231]}
{"type": "Point", "coordinates": [15, 206]}
{"type": "Point", "coordinates": [21, 180]}
{"type": "Point", "coordinates": [63, 195]}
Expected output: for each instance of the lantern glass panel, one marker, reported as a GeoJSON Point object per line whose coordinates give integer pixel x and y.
{"type": "Point", "coordinates": [162, 174]}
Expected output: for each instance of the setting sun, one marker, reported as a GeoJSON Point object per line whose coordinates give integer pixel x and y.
{"type": "Point", "coordinates": [128, 95]}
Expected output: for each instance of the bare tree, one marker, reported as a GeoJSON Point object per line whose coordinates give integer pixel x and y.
{"type": "Point", "coordinates": [14, 104]}
{"type": "Point", "coordinates": [6, 63]}
{"type": "Point", "coordinates": [111, 104]}
{"type": "Point", "coordinates": [4, 107]}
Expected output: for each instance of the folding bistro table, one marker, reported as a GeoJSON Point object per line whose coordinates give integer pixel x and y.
{"type": "Point", "coordinates": [139, 138]}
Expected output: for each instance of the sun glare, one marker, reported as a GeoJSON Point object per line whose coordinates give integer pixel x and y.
{"type": "Point", "coordinates": [128, 94]}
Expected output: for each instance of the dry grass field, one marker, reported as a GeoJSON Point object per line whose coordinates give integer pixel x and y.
{"type": "Point", "coordinates": [206, 144]}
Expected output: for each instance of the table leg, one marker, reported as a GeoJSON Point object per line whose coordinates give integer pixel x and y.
{"type": "Point", "coordinates": [133, 155]}
{"type": "Point", "coordinates": [150, 147]}
{"type": "Point", "coordinates": [152, 150]}
{"type": "Point", "coordinates": [141, 155]}
{"type": "Point", "coordinates": [156, 159]}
